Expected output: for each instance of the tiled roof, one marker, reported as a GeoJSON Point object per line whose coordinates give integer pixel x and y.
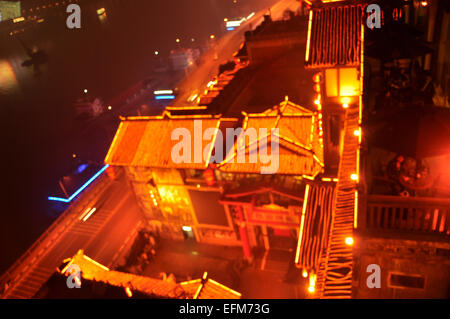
{"type": "Point", "coordinates": [315, 228]}
{"type": "Point", "coordinates": [204, 288]}
{"type": "Point", "coordinates": [242, 52]}
{"type": "Point", "coordinates": [300, 151]}
{"type": "Point", "coordinates": [277, 28]}
{"type": "Point", "coordinates": [147, 141]}
{"type": "Point", "coordinates": [92, 270]}
{"type": "Point", "coordinates": [334, 35]}
{"type": "Point", "coordinates": [207, 288]}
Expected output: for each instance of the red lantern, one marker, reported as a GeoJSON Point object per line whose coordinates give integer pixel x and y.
{"type": "Point", "coordinates": [209, 176]}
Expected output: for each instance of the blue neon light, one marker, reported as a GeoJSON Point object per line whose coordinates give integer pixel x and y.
{"type": "Point", "coordinates": [230, 29]}
{"type": "Point", "coordinates": [165, 97]}
{"type": "Point", "coordinates": [67, 200]}
{"type": "Point", "coordinates": [81, 168]}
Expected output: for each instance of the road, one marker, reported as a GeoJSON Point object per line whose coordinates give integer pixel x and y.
{"type": "Point", "coordinates": [225, 48]}
{"type": "Point", "coordinates": [101, 236]}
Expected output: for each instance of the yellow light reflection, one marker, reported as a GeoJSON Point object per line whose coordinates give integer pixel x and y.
{"type": "Point", "coordinates": [8, 80]}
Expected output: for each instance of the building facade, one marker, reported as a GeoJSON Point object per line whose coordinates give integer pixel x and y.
{"type": "Point", "coordinates": [220, 199]}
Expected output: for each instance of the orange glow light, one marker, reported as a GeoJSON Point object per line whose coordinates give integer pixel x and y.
{"type": "Point", "coordinates": [349, 241]}
{"type": "Point", "coordinates": [312, 283]}
{"type": "Point", "coordinates": [302, 225]}
{"type": "Point", "coordinates": [308, 40]}
{"type": "Point", "coordinates": [355, 211]}
{"type": "Point", "coordinates": [8, 78]}
{"type": "Point", "coordinates": [129, 292]}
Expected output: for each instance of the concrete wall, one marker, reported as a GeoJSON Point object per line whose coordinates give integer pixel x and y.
{"type": "Point", "coordinates": [270, 47]}
{"type": "Point", "coordinates": [425, 260]}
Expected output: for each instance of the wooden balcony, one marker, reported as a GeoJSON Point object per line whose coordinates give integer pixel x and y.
{"type": "Point", "coordinates": [396, 215]}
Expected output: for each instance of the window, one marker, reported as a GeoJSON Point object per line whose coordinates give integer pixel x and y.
{"type": "Point", "coordinates": [398, 280]}
{"type": "Point", "coordinates": [348, 82]}
{"type": "Point", "coordinates": [331, 82]}
{"type": "Point", "coordinates": [342, 82]}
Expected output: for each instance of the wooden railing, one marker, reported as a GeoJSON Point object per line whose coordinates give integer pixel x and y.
{"type": "Point", "coordinates": [410, 214]}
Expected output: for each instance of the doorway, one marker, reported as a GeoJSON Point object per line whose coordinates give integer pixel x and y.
{"type": "Point", "coordinates": [188, 233]}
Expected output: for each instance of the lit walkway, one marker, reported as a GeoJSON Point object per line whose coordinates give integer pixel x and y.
{"type": "Point", "coordinates": [335, 280]}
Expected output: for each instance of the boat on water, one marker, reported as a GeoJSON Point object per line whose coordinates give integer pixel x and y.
{"type": "Point", "coordinates": [91, 107]}
{"type": "Point", "coordinates": [134, 95]}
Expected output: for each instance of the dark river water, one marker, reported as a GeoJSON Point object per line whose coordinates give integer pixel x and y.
{"type": "Point", "coordinates": [107, 55]}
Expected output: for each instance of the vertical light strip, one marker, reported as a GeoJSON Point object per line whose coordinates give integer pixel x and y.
{"type": "Point", "coordinates": [355, 215]}
{"type": "Point", "coordinates": [361, 78]}
{"type": "Point", "coordinates": [302, 224]}
{"type": "Point", "coordinates": [361, 83]}
{"type": "Point", "coordinates": [309, 36]}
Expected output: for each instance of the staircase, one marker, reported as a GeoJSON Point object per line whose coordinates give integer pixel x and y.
{"type": "Point", "coordinates": [335, 277]}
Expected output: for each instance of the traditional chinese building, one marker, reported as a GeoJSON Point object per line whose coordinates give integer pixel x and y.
{"type": "Point", "coordinates": [407, 237]}
{"type": "Point", "coordinates": [219, 199]}
{"type": "Point", "coordinates": [320, 197]}
{"type": "Point", "coordinates": [92, 274]}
